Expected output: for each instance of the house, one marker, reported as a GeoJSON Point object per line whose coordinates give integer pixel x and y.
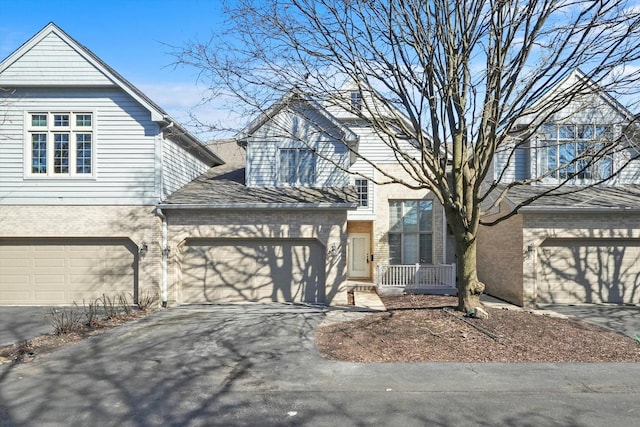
{"type": "Point", "coordinates": [101, 192]}
{"type": "Point", "coordinates": [299, 217]}
{"type": "Point", "coordinates": [85, 158]}
{"type": "Point", "coordinates": [581, 245]}
{"type": "Point", "coordinates": [273, 227]}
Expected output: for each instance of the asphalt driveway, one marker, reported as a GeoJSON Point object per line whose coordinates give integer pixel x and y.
{"type": "Point", "coordinates": [620, 318]}
{"type": "Point", "coordinates": [23, 323]}
{"type": "Point", "coordinates": [257, 365]}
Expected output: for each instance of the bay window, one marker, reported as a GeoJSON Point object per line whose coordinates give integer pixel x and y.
{"type": "Point", "coordinates": [410, 232]}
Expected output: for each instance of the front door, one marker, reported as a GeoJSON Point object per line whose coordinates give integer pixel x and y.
{"type": "Point", "coordinates": [359, 255]}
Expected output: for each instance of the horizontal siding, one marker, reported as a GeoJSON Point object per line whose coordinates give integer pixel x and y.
{"type": "Point", "coordinates": [124, 148]}
{"type": "Point", "coordinates": [503, 166]}
{"type": "Point", "coordinates": [366, 170]}
{"type": "Point", "coordinates": [52, 61]}
{"type": "Point", "coordinates": [261, 164]}
{"type": "Point", "coordinates": [631, 173]}
{"type": "Point", "coordinates": [178, 167]}
{"type": "Point", "coordinates": [300, 129]}
{"type": "Point", "coordinates": [373, 148]}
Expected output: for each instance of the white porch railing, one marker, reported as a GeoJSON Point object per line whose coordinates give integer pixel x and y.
{"type": "Point", "coordinates": [418, 276]}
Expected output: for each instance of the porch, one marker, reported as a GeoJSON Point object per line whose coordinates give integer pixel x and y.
{"type": "Point", "coordinates": [418, 278]}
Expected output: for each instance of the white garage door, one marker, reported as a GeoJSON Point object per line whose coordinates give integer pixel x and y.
{"type": "Point", "coordinates": [589, 271]}
{"type": "Point", "coordinates": [265, 270]}
{"type": "Point", "coordinates": [63, 271]}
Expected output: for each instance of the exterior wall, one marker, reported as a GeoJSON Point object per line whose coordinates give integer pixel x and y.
{"type": "Point", "coordinates": [124, 148]}
{"type": "Point", "coordinates": [363, 212]}
{"type": "Point", "coordinates": [293, 129]}
{"type": "Point", "coordinates": [509, 270]}
{"type": "Point", "coordinates": [364, 227]}
{"type": "Point", "coordinates": [53, 61]}
{"type": "Point", "coordinates": [328, 227]}
{"type": "Point", "coordinates": [137, 223]}
{"type": "Point", "coordinates": [384, 193]}
{"type": "Point", "coordinates": [595, 109]}
{"type": "Point", "coordinates": [500, 254]}
{"type": "Point", "coordinates": [540, 226]}
{"type": "Point", "coordinates": [179, 167]}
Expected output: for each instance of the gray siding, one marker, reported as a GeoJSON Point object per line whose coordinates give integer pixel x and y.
{"type": "Point", "coordinates": [52, 62]}
{"type": "Point", "coordinates": [294, 129]}
{"type": "Point", "coordinates": [178, 167]}
{"type": "Point", "coordinates": [124, 149]}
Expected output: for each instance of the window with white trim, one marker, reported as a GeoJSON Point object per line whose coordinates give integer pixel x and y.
{"type": "Point", "coordinates": [297, 166]}
{"type": "Point", "coordinates": [362, 189]}
{"type": "Point", "coordinates": [356, 101]}
{"type": "Point", "coordinates": [60, 144]}
{"type": "Point", "coordinates": [410, 232]}
{"type": "Point", "coordinates": [577, 152]}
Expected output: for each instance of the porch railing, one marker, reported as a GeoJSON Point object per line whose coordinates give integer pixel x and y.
{"type": "Point", "coordinates": [418, 276]}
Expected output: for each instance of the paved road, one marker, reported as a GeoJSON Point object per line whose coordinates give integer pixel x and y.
{"type": "Point", "coordinates": [257, 365]}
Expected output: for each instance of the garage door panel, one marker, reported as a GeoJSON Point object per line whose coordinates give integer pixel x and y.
{"type": "Point", "coordinates": [63, 271]}
{"type": "Point", "coordinates": [591, 271]}
{"type": "Point", "coordinates": [226, 271]}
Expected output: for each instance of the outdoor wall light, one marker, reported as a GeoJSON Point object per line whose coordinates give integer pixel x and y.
{"type": "Point", "coordinates": [531, 249]}
{"type": "Point", "coordinates": [333, 250]}
{"type": "Point", "coordinates": [142, 250]}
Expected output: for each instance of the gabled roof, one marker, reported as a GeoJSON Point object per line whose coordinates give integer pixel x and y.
{"type": "Point", "coordinates": [577, 198]}
{"type": "Point", "coordinates": [290, 97]}
{"type": "Point", "coordinates": [385, 110]}
{"type": "Point", "coordinates": [575, 77]}
{"type": "Point", "coordinates": [224, 187]}
{"type": "Point", "coordinates": [173, 128]}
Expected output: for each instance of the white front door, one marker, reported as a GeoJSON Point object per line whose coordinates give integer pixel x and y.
{"type": "Point", "coordinates": [359, 255]}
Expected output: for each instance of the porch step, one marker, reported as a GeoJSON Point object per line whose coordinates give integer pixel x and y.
{"type": "Point", "coordinates": [362, 287]}
{"type": "Point", "coordinates": [368, 300]}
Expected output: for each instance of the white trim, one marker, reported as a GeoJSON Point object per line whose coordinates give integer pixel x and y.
{"type": "Point", "coordinates": [302, 206]}
{"type": "Point", "coordinates": [49, 130]}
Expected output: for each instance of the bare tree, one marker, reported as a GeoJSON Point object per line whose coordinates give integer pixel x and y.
{"type": "Point", "coordinates": [456, 78]}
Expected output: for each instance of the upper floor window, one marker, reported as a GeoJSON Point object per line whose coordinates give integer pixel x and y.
{"type": "Point", "coordinates": [410, 232]}
{"type": "Point", "coordinates": [297, 166]}
{"type": "Point", "coordinates": [575, 152]}
{"type": "Point", "coordinates": [356, 101]}
{"type": "Point", "coordinates": [60, 144]}
{"type": "Point", "coordinates": [362, 188]}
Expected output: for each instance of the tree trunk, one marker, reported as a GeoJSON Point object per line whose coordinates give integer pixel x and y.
{"type": "Point", "coordinates": [469, 287]}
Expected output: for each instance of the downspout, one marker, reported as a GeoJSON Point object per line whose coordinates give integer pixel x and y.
{"type": "Point", "coordinates": [164, 268]}
{"type": "Point", "coordinates": [164, 271]}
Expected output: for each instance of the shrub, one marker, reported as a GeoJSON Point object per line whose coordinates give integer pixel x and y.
{"type": "Point", "coordinates": [64, 320]}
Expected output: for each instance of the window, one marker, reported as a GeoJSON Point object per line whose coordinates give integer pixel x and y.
{"type": "Point", "coordinates": [410, 232]}
{"type": "Point", "coordinates": [61, 144]}
{"type": "Point", "coordinates": [575, 152]}
{"type": "Point", "coordinates": [356, 101]}
{"type": "Point", "coordinates": [297, 166]}
{"type": "Point", "coordinates": [362, 188]}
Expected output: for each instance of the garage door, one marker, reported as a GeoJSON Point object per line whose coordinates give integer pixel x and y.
{"type": "Point", "coordinates": [223, 271]}
{"type": "Point", "coordinates": [61, 271]}
{"type": "Point", "coordinates": [589, 271]}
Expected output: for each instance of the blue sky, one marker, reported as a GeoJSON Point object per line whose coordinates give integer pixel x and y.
{"type": "Point", "coordinates": [129, 35]}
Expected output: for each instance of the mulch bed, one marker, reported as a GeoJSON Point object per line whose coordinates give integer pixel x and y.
{"type": "Point", "coordinates": [426, 328]}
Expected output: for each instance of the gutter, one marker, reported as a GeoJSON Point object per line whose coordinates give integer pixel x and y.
{"type": "Point", "coordinates": [300, 206]}
{"type": "Point", "coordinates": [578, 209]}
{"type": "Point", "coordinates": [176, 130]}
{"type": "Point", "coordinates": [164, 271]}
